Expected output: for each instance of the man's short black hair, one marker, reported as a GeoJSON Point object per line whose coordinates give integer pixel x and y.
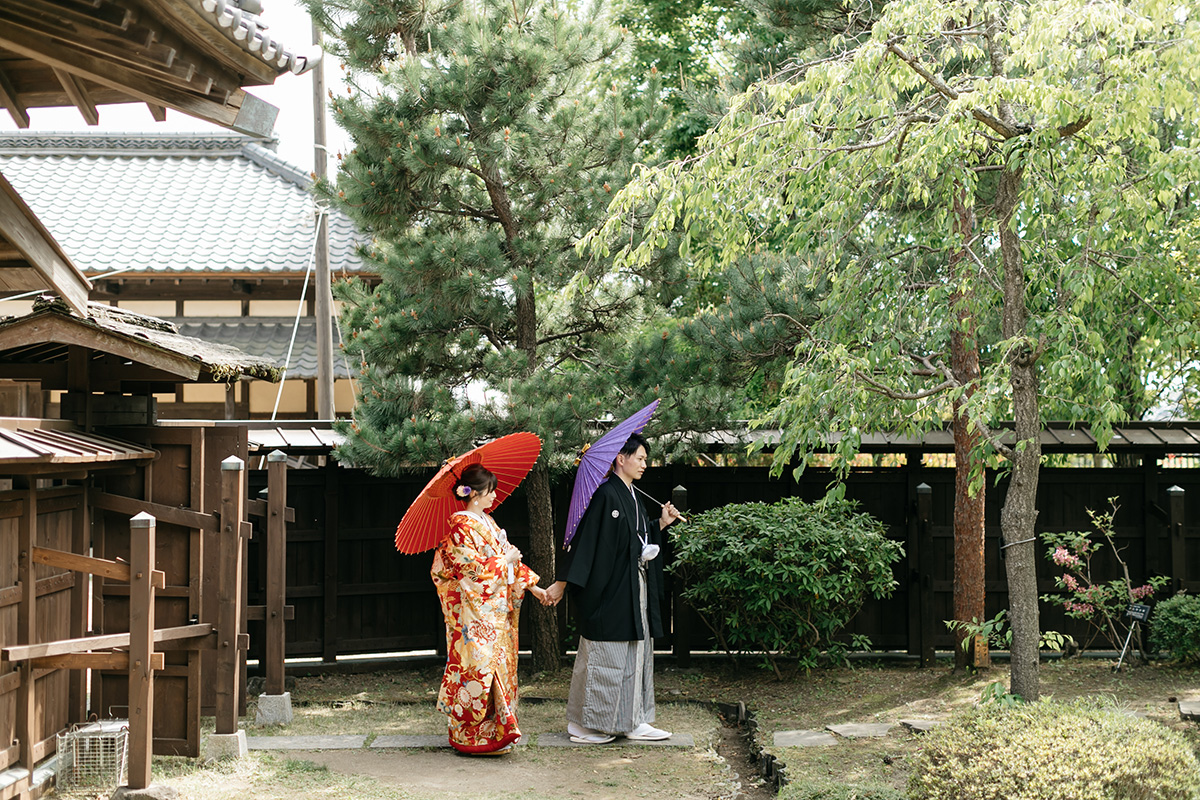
{"type": "Point", "coordinates": [633, 443]}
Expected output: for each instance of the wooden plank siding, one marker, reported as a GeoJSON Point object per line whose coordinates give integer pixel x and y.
{"type": "Point", "coordinates": [50, 708]}
{"type": "Point", "coordinates": [353, 594]}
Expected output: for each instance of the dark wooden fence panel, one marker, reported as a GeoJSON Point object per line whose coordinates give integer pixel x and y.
{"type": "Point", "coordinates": [353, 594]}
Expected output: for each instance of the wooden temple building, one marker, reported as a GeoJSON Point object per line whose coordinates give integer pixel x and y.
{"type": "Point", "coordinates": [121, 541]}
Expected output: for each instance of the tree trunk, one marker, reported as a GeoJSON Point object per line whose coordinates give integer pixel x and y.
{"type": "Point", "coordinates": [968, 509]}
{"type": "Point", "coordinates": [1019, 514]}
{"type": "Point", "coordinates": [546, 645]}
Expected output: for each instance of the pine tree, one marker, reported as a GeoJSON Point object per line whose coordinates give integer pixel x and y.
{"type": "Point", "coordinates": [486, 143]}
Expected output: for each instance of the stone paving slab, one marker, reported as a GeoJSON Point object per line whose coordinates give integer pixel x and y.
{"type": "Point", "coordinates": [862, 730]}
{"type": "Point", "coordinates": [305, 742]}
{"type": "Point", "coordinates": [804, 739]}
{"type": "Point", "coordinates": [1189, 709]}
{"type": "Point", "coordinates": [922, 725]}
{"type": "Point", "coordinates": [422, 741]}
{"type": "Point", "coordinates": [564, 740]}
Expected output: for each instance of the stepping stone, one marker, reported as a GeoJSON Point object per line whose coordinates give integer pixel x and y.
{"type": "Point", "coordinates": [804, 739]}
{"type": "Point", "coordinates": [922, 725]}
{"type": "Point", "coordinates": [420, 741]}
{"type": "Point", "coordinates": [1189, 709]}
{"type": "Point", "coordinates": [564, 740]}
{"type": "Point", "coordinates": [305, 742]}
{"type": "Point", "coordinates": [862, 730]}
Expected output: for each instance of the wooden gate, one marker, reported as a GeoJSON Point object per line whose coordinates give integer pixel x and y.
{"type": "Point", "coordinates": [181, 488]}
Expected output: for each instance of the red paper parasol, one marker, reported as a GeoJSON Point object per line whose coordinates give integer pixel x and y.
{"type": "Point", "coordinates": [427, 520]}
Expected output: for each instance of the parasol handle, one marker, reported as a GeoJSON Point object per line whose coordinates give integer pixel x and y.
{"type": "Point", "coordinates": [682, 518]}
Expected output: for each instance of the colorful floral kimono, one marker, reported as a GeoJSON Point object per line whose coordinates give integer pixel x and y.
{"type": "Point", "coordinates": [481, 607]}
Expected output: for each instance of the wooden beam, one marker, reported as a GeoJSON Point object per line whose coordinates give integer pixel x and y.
{"type": "Point", "coordinates": [22, 228]}
{"type": "Point", "coordinates": [86, 643]}
{"type": "Point", "coordinates": [10, 100]}
{"type": "Point", "coordinates": [259, 613]}
{"type": "Point", "coordinates": [223, 111]}
{"type": "Point", "coordinates": [94, 661]}
{"type": "Point", "coordinates": [258, 508]}
{"type": "Point", "coordinates": [115, 570]}
{"type": "Point", "coordinates": [61, 330]}
{"type": "Point", "coordinates": [158, 112]}
{"type": "Point", "coordinates": [79, 96]}
{"type": "Point", "coordinates": [183, 517]}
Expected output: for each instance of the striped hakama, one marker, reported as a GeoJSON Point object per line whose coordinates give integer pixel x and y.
{"type": "Point", "coordinates": [612, 685]}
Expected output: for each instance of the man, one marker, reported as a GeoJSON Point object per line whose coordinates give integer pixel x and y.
{"type": "Point", "coordinates": [614, 574]}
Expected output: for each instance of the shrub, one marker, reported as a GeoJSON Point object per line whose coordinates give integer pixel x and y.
{"type": "Point", "coordinates": [823, 790]}
{"type": "Point", "coordinates": [1102, 605]}
{"type": "Point", "coordinates": [1081, 750]}
{"type": "Point", "coordinates": [782, 579]}
{"type": "Point", "coordinates": [1175, 627]}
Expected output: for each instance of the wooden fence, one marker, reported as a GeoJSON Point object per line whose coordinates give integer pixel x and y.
{"type": "Point", "coordinates": [353, 594]}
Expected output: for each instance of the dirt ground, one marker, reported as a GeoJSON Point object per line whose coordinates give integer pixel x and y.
{"type": "Point", "coordinates": [401, 701]}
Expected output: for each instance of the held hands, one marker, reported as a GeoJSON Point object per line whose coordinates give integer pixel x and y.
{"type": "Point", "coordinates": [539, 594]}
{"type": "Point", "coordinates": [551, 596]}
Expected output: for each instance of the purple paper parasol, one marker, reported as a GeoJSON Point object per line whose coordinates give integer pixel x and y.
{"type": "Point", "coordinates": [595, 461]}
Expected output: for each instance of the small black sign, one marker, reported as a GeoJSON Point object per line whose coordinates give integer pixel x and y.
{"type": "Point", "coordinates": [1139, 612]}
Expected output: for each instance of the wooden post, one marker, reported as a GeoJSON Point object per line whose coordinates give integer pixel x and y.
{"type": "Point", "coordinates": [1175, 498]}
{"type": "Point", "coordinates": [681, 622]}
{"type": "Point", "coordinates": [141, 648]}
{"type": "Point", "coordinates": [276, 569]}
{"type": "Point", "coordinates": [330, 645]}
{"type": "Point", "coordinates": [925, 571]}
{"type": "Point", "coordinates": [27, 628]}
{"type": "Point", "coordinates": [233, 492]}
{"type": "Point", "coordinates": [81, 529]}
{"type": "Point", "coordinates": [321, 292]}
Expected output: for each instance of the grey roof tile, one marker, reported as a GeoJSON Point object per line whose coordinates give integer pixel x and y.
{"type": "Point", "coordinates": [267, 338]}
{"type": "Point", "coordinates": [173, 203]}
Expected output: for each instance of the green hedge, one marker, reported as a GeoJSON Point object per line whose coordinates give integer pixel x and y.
{"type": "Point", "coordinates": [823, 790]}
{"type": "Point", "coordinates": [782, 579]}
{"type": "Point", "coordinates": [1083, 750]}
{"type": "Point", "coordinates": [1175, 627]}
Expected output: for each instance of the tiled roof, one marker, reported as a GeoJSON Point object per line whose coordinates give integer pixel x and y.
{"type": "Point", "coordinates": [28, 444]}
{"type": "Point", "coordinates": [173, 203]}
{"type": "Point", "coordinates": [267, 338]}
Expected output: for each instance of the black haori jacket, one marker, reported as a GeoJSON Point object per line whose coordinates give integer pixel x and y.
{"type": "Point", "coordinates": [601, 567]}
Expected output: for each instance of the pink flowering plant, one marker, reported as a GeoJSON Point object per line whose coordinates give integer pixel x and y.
{"type": "Point", "coordinates": [1102, 604]}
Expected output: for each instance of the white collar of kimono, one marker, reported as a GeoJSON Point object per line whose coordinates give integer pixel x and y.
{"type": "Point", "coordinates": [637, 519]}
{"type": "Point", "coordinates": [472, 515]}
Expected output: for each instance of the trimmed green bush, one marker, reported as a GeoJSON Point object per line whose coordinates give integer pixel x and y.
{"type": "Point", "coordinates": [1175, 627]}
{"type": "Point", "coordinates": [1083, 750]}
{"type": "Point", "coordinates": [823, 790]}
{"type": "Point", "coordinates": [782, 579]}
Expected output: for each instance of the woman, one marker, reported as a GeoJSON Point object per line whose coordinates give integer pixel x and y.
{"type": "Point", "coordinates": [480, 581]}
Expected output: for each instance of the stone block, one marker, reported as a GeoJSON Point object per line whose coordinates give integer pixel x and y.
{"type": "Point", "coordinates": [219, 746]}
{"type": "Point", "coordinates": [861, 730]}
{"type": "Point", "coordinates": [352, 742]}
{"type": "Point", "coordinates": [804, 739]}
{"type": "Point", "coordinates": [274, 709]}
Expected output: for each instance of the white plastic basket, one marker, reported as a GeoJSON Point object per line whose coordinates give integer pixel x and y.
{"type": "Point", "coordinates": [93, 754]}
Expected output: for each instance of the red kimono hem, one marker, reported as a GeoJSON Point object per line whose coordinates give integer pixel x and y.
{"type": "Point", "coordinates": [491, 747]}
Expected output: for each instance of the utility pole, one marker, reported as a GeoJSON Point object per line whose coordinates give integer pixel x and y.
{"type": "Point", "coordinates": [324, 299]}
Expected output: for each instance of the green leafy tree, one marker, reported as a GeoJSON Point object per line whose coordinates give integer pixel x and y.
{"type": "Point", "coordinates": [486, 142]}
{"type": "Point", "coordinates": [932, 175]}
